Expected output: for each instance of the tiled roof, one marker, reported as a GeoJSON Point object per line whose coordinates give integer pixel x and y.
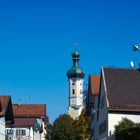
{"type": "Point", "coordinates": [24, 122]}
{"type": "Point", "coordinates": [123, 88]}
{"type": "Point", "coordinates": [4, 100]}
{"type": "Point", "coordinates": [95, 82]}
{"type": "Point", "coordinates": [6, 109]}
{"type": "Point", "coordinates": [29, 110]}
{"type": "Point", "coordinates": [93, 89]}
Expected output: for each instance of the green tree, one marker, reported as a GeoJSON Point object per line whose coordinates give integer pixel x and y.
{"type": "Point", "coordinates": [63, 128]}
{"type": "Point", "coordinates": [7, 138]}
{"type": "Point", "coordinates": [127, 130]}
{"type": "Point", "coordinates": [83, 126]}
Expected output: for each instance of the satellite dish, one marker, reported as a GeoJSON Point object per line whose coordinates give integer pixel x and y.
{"type": "Point", "coordinates": [135, 47]}
{"type": "Point", "coordinates": [132, 64]}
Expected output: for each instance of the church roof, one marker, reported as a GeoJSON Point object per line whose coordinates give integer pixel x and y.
{"type": "Point", "coordinates": [123, 88]}
{"type": "Point", "coordinates": [75, 70]}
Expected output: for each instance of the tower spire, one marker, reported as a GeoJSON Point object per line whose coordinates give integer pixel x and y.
{"type": "Point", "coordinates": [76, 77]}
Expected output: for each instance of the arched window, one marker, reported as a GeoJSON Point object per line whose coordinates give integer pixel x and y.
{"type": "Point", "coordinates": [73, 91]}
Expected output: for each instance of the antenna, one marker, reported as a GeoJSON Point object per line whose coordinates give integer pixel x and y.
{"type": "Point", "coordinates": [19, 102]}
{"type": "Point", "coordinates": [28, 99]}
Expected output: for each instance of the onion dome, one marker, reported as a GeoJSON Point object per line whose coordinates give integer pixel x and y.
{"type": "Point", "coordinates": [75, 70]}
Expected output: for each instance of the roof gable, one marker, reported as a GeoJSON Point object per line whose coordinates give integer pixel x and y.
{"type": "Point", "coordinates": [4, 100]}
{"type": "Point", "coordinates": [6, 109]}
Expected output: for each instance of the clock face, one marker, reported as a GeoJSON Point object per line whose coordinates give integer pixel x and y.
{"type": "Point", "coordinates": [73, 101]}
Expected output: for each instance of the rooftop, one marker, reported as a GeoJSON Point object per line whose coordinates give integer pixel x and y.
{"type": "Point", "coordinates": [29, 110]}
{"type": "Point", "coordinates": [123, 88]}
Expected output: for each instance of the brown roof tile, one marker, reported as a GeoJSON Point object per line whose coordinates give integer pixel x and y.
{"type": "Point", "coordinates": [24, 122]}
{"type": "Point", "coordinates": [29, 110]}
{"type": "Point", "coordinates": [95, 82]}
{"type": "Point", "coordinates": [123, 88]}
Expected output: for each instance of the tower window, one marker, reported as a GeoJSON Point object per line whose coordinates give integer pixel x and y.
{"type": "Point", "coordinates": [73, 91]}
{"type": "Point", "coordinates": [73, 83]}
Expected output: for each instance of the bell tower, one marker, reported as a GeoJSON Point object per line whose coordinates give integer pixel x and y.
{"type": "Point", "coordinates": [76, 77]}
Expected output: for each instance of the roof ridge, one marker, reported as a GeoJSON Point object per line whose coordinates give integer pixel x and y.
{"type": "Point", "coordinates": [119, 68]}
{"type": "Point", "coordinates": [28, 104]}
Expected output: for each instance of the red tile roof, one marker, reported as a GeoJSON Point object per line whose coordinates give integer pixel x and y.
{"type": "Point", "coordinates": [6, 109]}
{"type": "Point", "coordinates": [95, 84]}
{"type": "Point", "coordinates": [24, 122]}
{"type": "Point", "coordinates": [29, 110]}
{"type": "Point", "coordinates": [4, 100]}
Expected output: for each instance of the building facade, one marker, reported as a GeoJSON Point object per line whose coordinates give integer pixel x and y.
{"type": "Point", "coordinates": [119, 97]}
{"type": "Point", "coordinates": [30, 122]}
{"type": "Point", "coordinates": [76, 97]}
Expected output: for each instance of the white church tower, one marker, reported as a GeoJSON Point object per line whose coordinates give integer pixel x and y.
{"type": "Point", "coordinates": [76, 98]}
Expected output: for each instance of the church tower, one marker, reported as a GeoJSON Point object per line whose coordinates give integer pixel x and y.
{"type": "Point", "coordinates": [75, 76]}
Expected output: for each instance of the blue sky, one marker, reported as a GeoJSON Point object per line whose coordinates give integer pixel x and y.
{"type": "Point", "coordinates": [37, 38]}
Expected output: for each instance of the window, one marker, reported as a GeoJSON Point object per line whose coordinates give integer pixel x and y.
{"type": "Point", "coordinates": [9, 131]}
{"type": "Point", "coordinates": [23, 132]}
{"type": "Point", "coordinates": [73, 91]}
{"type": "Point", "coordinates": [73, 83]}
{"type": "Point", "coordinates": [20, 132]}
{"type": "Point", "coordinates": [17, 132]}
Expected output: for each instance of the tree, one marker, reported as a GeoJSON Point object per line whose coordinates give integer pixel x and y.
{"type": "Point", "coordinates": [7, 138]}
{"type": "Point", "coordinates": [127, 130]}
{"type": "Point", "coordinates": [83, 126]}
{"type": "Point", "coordinates": [63, 128]}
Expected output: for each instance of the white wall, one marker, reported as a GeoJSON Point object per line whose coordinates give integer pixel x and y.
{"type": "Point", "coordinates": [31, 134]}
{"type": "Point", "coordinates": [44, 133]}
{"type": "Point", "coordinates": [113, 119]}
{"type": "Point", "coordinates": [28, 136]}
{"type": "Point", "coordinates": [2, 128]}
